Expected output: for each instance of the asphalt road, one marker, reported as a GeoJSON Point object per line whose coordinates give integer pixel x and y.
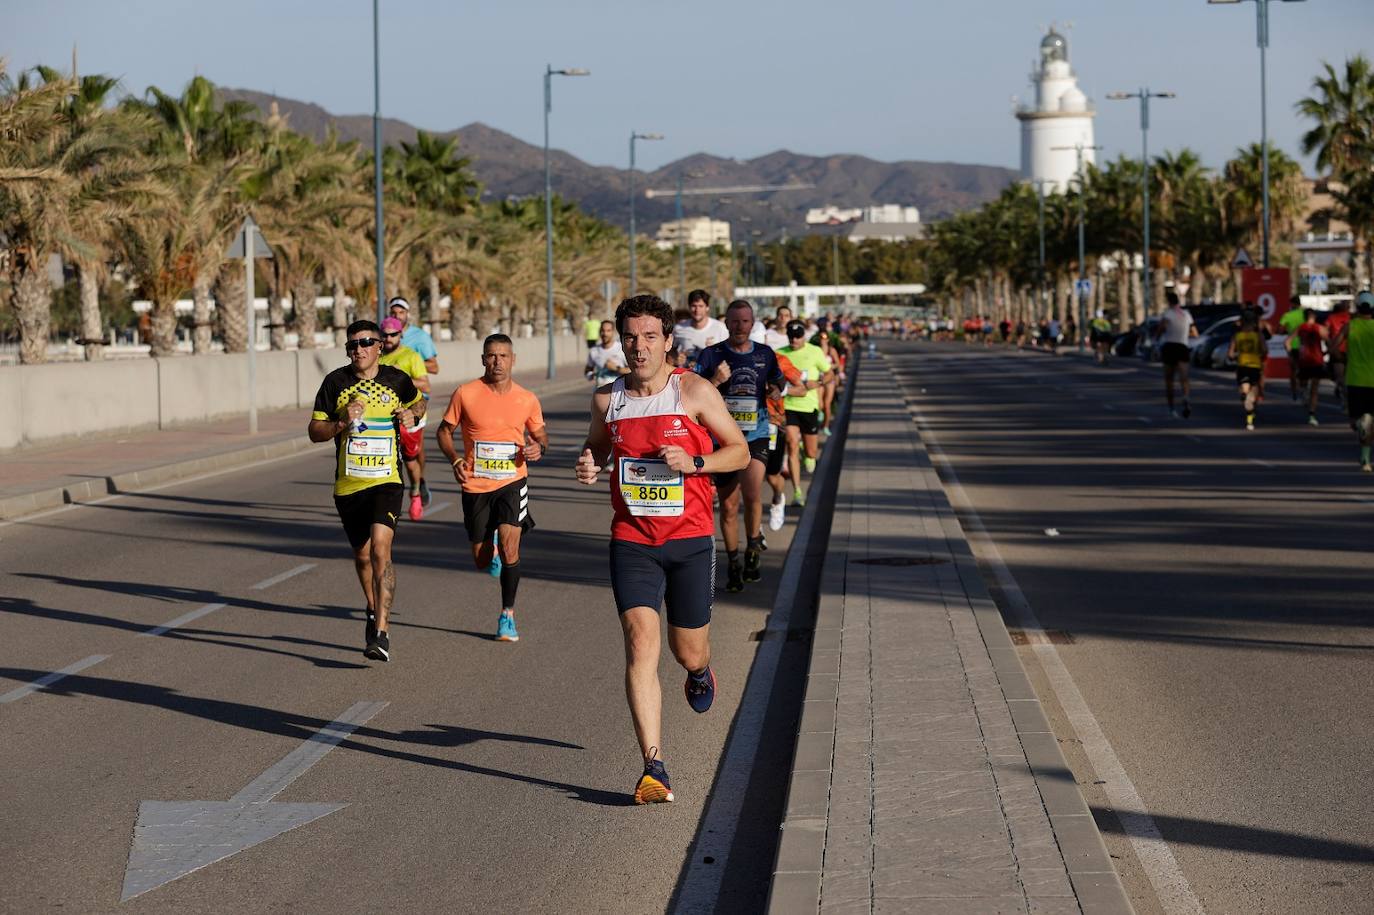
{"type": "Point", "coordinates": [496, 777]}
{"type": "Point", "coordinates": [1209, 590]}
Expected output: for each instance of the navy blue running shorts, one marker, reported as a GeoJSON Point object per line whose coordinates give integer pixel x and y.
{"type": "Point", "coordinates": [680, 574]}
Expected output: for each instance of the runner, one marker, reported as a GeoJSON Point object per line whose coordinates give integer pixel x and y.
{"type": "Point", "coordinates": [1339, 317]}
{"type": "Point", "coordinates": [397, 355]}
{"type": "Point", "coordinates": [1177, 327]}
{"type": "Point", "coordinates": [1358, 338]}
{"type": "Point", "coordinates": [742, 371]}
{"type": "Point", "coordinates": [655, 426]}
{"type": "Point", "coordinates": [1311, 360]}
{"type": "Point", "coordinates": [591, 329]}
{"type": "Point", "coordinates": [777, 333]}
{"type": "Point", "coordinates": [803, 412]}
{"type": "Point", "coordinates": [503, 430]}
{"type": "Point", "coordinates": [418, 339]}
{"type": "Point", "coordinates": [1247, 349]}
{"type": "Point", "coordinates": [1289, 323]}
{"type": "Point", "coordinates": [606, 360]}
{"type": "Point", "coordinates": [1101, 330]}
{"type": "Point", "coordinates": [358, 406]}
{"type": "Point", "coordinates": [777, 441]}
{"type": "Point", "coordinates": [699, 331]}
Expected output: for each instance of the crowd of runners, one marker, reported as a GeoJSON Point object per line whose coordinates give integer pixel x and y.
{"type": "Point", "coordinates": [689, 419]}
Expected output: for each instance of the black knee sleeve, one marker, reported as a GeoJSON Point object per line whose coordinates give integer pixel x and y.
{"type": "Point", "coordinates": [510, 583]}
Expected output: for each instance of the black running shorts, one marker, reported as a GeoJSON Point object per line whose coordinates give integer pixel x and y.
{"type": "Point", "coordinates": [1359, 401]}
{"type": "Point", "coordinates": [1174, 354]}
{"type": "Point", "coordinates": [1310, 372]}
{"type": "Point", "coordinates": [360, 510]}
{"type": "Point", "coordinates": [758, 451]}
{"type": "Point", "coordinates": [808, 423]}
{"type": "Point", "coordinates": [1247, 375]}
{"type": "Point", "coordinates": [777, 454]}
{"type": "Point", "coordinates": [483, 511]}
{"type": "Point", "coordinates": [680, 574]}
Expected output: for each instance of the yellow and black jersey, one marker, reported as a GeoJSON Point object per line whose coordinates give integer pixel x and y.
{"type": "Point", "coordinates": [368, 451]}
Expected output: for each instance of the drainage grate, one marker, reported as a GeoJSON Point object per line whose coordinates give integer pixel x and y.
{"type": "Point", "coordinates": [1040, 637]}
{"type": "Point", "coordinates": [901, 561]}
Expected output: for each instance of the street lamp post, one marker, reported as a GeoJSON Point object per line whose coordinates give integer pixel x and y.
{"type": "Point", "coordinates": [377, 156]}
{"type": "Point", "coordinates": [681, 246]}
{"type": "Point", "coordinates": [1262, 40]}
{"type": "Point", "coordinates": [549, 74]}
{"type": "Point", "coordinates": [1144, 94]}
{"type": "Point", "coordinates": [1082, 247]}
{"type": "Point", "coordinates": [635, 136]}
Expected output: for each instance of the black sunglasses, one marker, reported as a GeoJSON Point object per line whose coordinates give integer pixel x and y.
{"type": "Point", "coordinates": [391, 333]}
{"type": "Point", "coordinates": [353, 345]}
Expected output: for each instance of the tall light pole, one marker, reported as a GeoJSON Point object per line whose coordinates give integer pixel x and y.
{"type": "Point", "coordinates": [1144, 94]}
{"type": "Point", "coordinates": [377, 155]}
{"type": "Point", "coordinates": [549, 74]}
{"type": "Point", "coordinates": [635, 136]}
{"type": "Point", "coordinates": [1082, 247]}
{"type": "Point", "coordinates": [681, 246]}
{"type": "Point", "coordinates": [1262, 40]}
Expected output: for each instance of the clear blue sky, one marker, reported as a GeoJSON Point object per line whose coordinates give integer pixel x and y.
{"type": "Point", "coordinates": [891, 79]}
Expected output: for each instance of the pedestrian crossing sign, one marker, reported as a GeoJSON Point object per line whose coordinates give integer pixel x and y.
{"type": "Point", "coordinates": [1242, 260]}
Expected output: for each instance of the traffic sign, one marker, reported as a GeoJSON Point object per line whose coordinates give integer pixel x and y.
{"type": "Point", "coordinates": [1242, 260]}
{"type": "Point", "coordinates": [1316, 283]}
{"type": "Point", "coordinates": [1083, 287]}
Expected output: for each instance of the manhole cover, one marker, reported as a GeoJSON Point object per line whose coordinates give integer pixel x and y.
{"type": "Point", "coordinates": [1040, 637]}
{"type": "Point", "coordinates": [901, 561]}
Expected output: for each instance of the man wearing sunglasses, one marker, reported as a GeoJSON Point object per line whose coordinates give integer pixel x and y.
{"type": "Point", "coordinates": [359, 407]}
{"type": "Point", "coordinates": [397, 355]}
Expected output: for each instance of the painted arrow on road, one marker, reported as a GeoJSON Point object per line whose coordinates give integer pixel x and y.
{"type": "Point", "coordinates": [175, 838]}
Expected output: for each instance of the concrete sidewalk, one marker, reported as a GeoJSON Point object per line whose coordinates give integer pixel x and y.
{"type": "Point", "coordinates": [926, 777]}
{"type": "Point", "coordinates": [37, 479]}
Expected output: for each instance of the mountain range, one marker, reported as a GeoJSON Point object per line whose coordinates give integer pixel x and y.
{"type": "Point", "coordinates": [509, 167]}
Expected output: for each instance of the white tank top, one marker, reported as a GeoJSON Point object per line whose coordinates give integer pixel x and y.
{"type": "Point", "coordinates": [667, 402]}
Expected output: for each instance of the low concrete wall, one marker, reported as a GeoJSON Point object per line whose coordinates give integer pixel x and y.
{"type": "Point", "coordinates": [47, 404]}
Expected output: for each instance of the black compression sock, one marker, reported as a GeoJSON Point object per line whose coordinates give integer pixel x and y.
{"type": "Point", "coordinates": [733, 556]}
{"type": "Point", "coordinates": [510, 583]}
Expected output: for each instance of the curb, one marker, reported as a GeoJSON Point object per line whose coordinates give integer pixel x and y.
{"type": "Point", "coordinates": [15, 507]}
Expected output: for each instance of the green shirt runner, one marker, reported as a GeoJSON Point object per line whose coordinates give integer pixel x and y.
{"type": "Point", "coordinates": [812, 360]}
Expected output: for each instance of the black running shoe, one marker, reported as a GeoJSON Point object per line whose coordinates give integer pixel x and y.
{"type": "Point", "coordinates": [1187, 410]}
{"type": "Point", "coordinates": [734, 580]}
{"type": "Point", "coordinates": [378, 648]}
{"type": "Point", "coordinates": [369, 629]}
{"type": "Point", "coordinates": [751, 566]}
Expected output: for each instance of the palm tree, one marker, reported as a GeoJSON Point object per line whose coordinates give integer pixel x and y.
{"type": "Point", "coordinates": [60, 176]}
{"type": "Point", "coordinates": [1245, 187]}
{"type": "Point", "coordinates": [1343, 139]}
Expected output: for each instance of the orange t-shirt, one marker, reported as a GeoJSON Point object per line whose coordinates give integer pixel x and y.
{"type": "Point", "coordinates": [493, 427]}
{"type": "Point", "coordinates": [790, 372]}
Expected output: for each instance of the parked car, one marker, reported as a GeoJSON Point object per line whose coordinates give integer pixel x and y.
{"type": "Point", "coordinates": [1212, 345]}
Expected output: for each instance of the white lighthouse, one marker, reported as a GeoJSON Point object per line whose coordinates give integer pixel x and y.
{"type": "Point", "coordinates": [1061, 116]}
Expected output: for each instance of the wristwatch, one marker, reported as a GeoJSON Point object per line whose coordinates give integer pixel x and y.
{"type": "Point", "coordinates": [699, 462]}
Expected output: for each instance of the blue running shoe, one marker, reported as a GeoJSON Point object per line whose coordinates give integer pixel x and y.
{"type": "Point", "coordinates": [505, 628]}
{"type": "Point", "coordinates": [701, 691]}
{"type": "Point", "coordinates": [653, 787]}
{"type": "Point", "coordinates": [494, 570]}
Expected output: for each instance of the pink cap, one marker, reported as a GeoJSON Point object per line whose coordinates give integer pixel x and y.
{"type": "Point", "coordinates": [391, 325]}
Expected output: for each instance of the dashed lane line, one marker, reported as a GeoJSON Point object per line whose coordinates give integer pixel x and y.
{"type": "Point", "coordinates": [1263, 463]}
{"type": "Point", "coordinates": [283, 576]}
{"type": "Point", "coordinates": [182, 620]}
{"type": "Point", "coordinates": [15, 695]}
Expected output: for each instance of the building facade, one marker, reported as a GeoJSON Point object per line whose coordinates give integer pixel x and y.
{"type": "Point", "coordinates": [694, 232]}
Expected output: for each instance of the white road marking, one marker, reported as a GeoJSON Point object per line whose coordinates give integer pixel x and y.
{"type": "Point", "coordinates": [176, 838]}
{"type": "Point", "coordinates": [278, 579]}
{"type": "Point", "coordinates": [1262, 463]}
{"type": "Point", "coordinates": [436, 508]}
{"type": "Point", "coordinates": [183, 619]}
{"type": "Point", "coordinates": [15, 695]}
{"type": "Point", "coordinates": [1170, 885]}
{"type": "Point", "coordinates": [1144, 419]}
{"type": "Point", "coordinates": [1051, 532]}
{"type": "Point", "coordinates": [1107, 406]}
